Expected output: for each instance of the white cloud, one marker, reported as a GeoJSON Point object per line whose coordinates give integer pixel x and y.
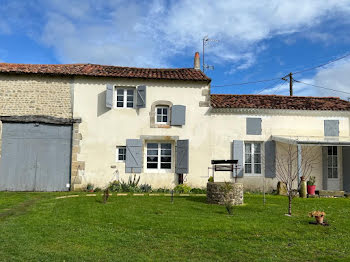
{"type": "Point", "coordinates": [136, 33]}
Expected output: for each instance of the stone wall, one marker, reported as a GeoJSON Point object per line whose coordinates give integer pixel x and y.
{"type": "Point", "coordinates": [35, 95]}
{"type": "Point", "coordinates": [78, 167]}
{"type": "Point", "coordinates": [216, 195]}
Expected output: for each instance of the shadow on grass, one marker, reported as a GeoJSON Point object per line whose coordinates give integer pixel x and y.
{"type": "Point", "coordinates": [200, 199]}
{"type": "Point", "coordinates": [20, 209]}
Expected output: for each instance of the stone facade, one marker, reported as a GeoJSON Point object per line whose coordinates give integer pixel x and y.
{"type": "Point", "coordinates": [35, 95]}
{"type": "Point", "coordinates": [216, 195]}
{"type": "Point", "coordinates": [77, 167]}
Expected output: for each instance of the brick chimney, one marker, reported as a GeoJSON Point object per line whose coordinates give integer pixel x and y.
{"type": "Point", "coordinates": [197, 64]}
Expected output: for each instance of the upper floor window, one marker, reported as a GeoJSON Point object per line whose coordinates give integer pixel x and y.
{"type": "Point", "coordinates": [125, 97]}
{"type": "Point", "coordinates": [162, 115]}
{"type": "Point", "coordinates": [252, 158]}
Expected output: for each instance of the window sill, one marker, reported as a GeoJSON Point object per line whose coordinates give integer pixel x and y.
{"type": "Point", "coordinates": [159, 171]}
{"type": "Point", "coordinates": [161, 126]}
{"type": "Point", "coordinates": [252, 175]}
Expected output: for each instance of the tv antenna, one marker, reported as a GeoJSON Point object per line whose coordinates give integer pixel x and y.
{"type": "Point", "coordinates": [207, 41]}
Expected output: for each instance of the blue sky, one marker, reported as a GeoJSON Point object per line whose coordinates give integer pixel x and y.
{"type": "Point", "coordinates": [257, 39]}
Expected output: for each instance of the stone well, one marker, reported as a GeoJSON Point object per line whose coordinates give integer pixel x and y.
{"type": "Point", "coordinates": [215, 194]}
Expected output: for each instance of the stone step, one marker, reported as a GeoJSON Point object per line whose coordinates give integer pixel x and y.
{"type": "Point", "coordinates": [331, 193]}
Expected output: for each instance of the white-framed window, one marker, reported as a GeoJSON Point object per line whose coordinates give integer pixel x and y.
{"type": "Point", "coordinates": [121, 153]}
{"type": "Point", "coordinates": [159, 156]}
{"type": "Point", "coordinates": [162, 115]}
{"type": "Point", "coordinates": [252, 158]}
{"type": "Point", "coordinates": [332, 162]}
{"type": "Point", "coordinates": [125, 97]}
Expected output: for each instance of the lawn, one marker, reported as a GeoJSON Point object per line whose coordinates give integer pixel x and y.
{"type": "Point", "coordinates": [38, 227]}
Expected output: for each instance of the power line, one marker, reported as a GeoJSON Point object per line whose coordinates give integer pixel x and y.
{"type": "Point", "coordinates": [322, 65]}
{"type": "Point", "coordinates": [246, 83]}
{"type": "Point", "coordinates": [322, 87]}
{"type": "Point", "coordinates": [270, 86]}
{"type": "Point", "coordinates": [272, 79]}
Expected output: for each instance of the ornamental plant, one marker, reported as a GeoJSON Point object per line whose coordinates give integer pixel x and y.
{"type": "Point", "coordinates": [182, 189]}
{"type": "Point", "coordinates": [311, 181]}
{"type": "Point", "coordinates": [317, 213]}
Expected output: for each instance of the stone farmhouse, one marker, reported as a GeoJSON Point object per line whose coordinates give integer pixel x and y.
{"type": "Point", "coordinates": [64, 126]}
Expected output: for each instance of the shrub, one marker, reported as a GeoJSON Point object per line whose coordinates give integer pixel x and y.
{"type": "Point", "coordinates": [197, 190]}
{"type": "Point", "coordinates": [115, 186]}
{"type": "Point", "coordinates": [161, 190]}
{"type": "Point", "coordinates": [211, 179]}
{"type": "Point", "coordinates": [145, 188]}
{"type": "Point", "coordinates": [182, 189]}
{"type": "Point", "coordinates": [97, 189]}
{"type": "Point", "coordinates": [226, 189]}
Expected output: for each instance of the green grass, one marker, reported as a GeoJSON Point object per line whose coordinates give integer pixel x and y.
{"type": "Point", "coordinates": [38, 227]}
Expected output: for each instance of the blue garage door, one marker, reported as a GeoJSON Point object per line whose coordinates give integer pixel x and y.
{"type": "Point", "coordinates": [35, 157]}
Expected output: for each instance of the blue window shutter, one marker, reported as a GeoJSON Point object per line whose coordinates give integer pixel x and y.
{"type": "Point", "coordinates": [182, 157]}
{"type": "Point", "coordinates": [133, 156]}
{"type": "Point", "coordinates": [237, 154]}
{"type": "Point", "coordinates": [253, 126]}
{"type": "Point", "coordinates": [331, 127]}
{"type": "Point", "coordinates": [141, 97]}
{"type": "Point", "coordinates": [324, 166]}
{"type": "Point", "coordinates": [109, 96]}
{"type": "Point", "coordinates": [178, 115]}
{"type": "Point", "coordinates": [270, 159]}
{"type": "Point", "coordinates": [346, 168]}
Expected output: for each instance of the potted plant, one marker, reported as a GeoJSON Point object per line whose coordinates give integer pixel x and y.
{"type": "Point", "coordinates": [90, 187]}
{"type": "Point", "coordinates": [318, 215]}
{"type": "Point", "coordinates": [311, 187]}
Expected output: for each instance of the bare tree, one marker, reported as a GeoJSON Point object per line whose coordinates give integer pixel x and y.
{"type": "Point", "coordinates": [288, 171]}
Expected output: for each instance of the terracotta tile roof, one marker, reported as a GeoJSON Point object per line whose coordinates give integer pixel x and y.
{"type": "Point", "coordinates": [279, 102]}
{"type": "Point", "coordinates": [105, 71]}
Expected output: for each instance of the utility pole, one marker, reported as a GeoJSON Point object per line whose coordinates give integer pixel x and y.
{"type": "Point", "coordinates": [290, 84]}
{"type": "Point", "coordinates": [290, 75]}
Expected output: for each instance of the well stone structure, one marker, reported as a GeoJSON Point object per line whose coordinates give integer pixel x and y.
{"type": "Point", "coordinates": [217, 195]}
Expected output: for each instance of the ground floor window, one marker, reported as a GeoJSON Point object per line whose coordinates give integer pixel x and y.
{"type": "Point", "coordinates": [121, 153]}
{"type": "Point", "coordinates": [252, 157]}
{"type": "Point", "coordinates": [159, 156]}
{"type": "Point", "coordinates": [332, 162]}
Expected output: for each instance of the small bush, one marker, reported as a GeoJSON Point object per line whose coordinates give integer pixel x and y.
{"type": "Point", "coordinates": [182, 189]}
{"type": "Point", "coordinates": [211, 179]}
{"type": "Point", "coordinates": [145, 188]}
{"type": "Point", "coordinates": [97, 189]}
{"type": "Point", "coordinates": [229, 208]}
{"type": "Point", "coordinates": [226, 189]}
{"type": "Point", "coordinates": [197, 190]}
{"type": "Point", "coordinates": [114, 186]}
{"type": "Point", "coordinates": [161, 190]}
